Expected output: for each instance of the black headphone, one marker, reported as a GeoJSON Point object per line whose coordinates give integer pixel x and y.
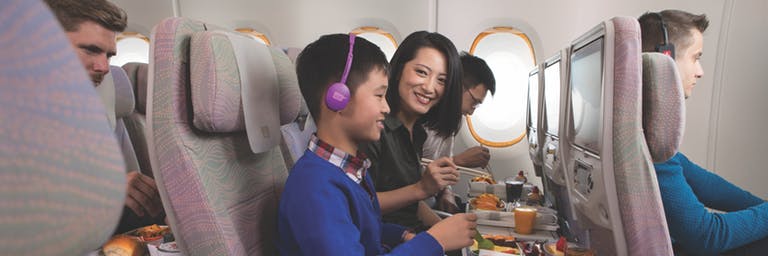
{"type": "Point", "coordinates": [666, 48]}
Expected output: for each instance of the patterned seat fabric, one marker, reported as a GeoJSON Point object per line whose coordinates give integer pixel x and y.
{"type": "Point", "coordinates": [62, 178]}
{"type": "Point", "coordinates": [639, 200]}
{"type": "Point", "coordinates": [219, 192]}
{"type": "Point", "coordinates": [135, 122]}
{"type": "Point", "coordinates": [663, 106]}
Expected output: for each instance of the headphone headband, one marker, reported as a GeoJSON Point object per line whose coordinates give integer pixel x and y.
{"type": "Point", "coordinates": [338, 93]}
{"type": "Point", "coordinates": [666, 48]}
{"type": "Point", "coordinates": [349, 58]}
{"type": "Point", "coordinates": [663, 27]}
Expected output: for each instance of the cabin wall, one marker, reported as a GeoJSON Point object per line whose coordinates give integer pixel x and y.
{"type": "Point", "coordinates": [738, 141]}
{"type": "Point", "coordinates": [296, 23]}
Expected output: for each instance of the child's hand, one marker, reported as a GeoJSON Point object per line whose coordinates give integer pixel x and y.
{"type": "Point", "coordinates": [438, 175]}
{"type": "Point", "coordinates": [455, 232]}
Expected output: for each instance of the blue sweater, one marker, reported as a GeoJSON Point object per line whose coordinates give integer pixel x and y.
{"type": "Point", "coordinates": [686, 189]}
{"type": "Point", "coordinates": [324, 212]}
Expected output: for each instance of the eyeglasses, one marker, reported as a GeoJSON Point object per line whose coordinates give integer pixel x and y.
{"type": "Point", "coordinates": [475, 100]}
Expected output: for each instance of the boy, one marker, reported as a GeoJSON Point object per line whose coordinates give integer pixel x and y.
{"type": "Point", "coordinates": [329, 205]}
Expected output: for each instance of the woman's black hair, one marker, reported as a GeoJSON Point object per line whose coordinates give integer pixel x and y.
{"type": "Point", "coordinates": [444, 117]}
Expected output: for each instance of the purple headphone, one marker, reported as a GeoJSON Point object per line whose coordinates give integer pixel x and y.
{"type": "Point", "coordinates": [337, 96]}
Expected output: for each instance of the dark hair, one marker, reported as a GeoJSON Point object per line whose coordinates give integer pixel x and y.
{"type": "Point", "coordinates": [322, 63]}
{"type": "Point", "coordinates": [71, 13]}
{"type": "Point", "coordinates": [476, 72]}
{"type": "Point", "coordinates": [444, 117]}
{"type": "Point", "coordinates": [679, 25]}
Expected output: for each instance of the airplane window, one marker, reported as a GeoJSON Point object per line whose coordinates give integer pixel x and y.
{"type": "Point", "coordinates": [262, 38]}
{"type": "Point", "coordinates": [131, 47]}
{"type": "Point", "coordinates": [509, 53]}
{"type": "Point", "coordinates": [380, 38]}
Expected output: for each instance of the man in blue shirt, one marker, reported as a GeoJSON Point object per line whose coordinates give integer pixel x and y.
{"type": "Point", "coordinates": [740, 226]}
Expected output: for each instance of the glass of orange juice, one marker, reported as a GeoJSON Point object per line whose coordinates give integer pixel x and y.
{"type": "Point", "coordinates": [525, 218]}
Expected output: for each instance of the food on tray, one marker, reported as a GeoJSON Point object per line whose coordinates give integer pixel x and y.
{"type": "Point", "coordinates": [487, 201]}
{"type": "Point", "coordinates": [124, 245]}
{"type": "Point", "coordinates": [535, 197]}
{"type": "Point", "coordinates": [563, 248]}
{"type": "Point", "coordinates": [521, 177]}
{"type": "Point", "coordinates": [502, 240]}
{"type": "Point", "coordinates": [484, 178]}
{"type": "Point", "coordinates": [152, 232]}
{"type": "Point", "coordinates": [500, 243]}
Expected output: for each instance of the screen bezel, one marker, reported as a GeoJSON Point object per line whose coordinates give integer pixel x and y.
{"type": "Point", "coordinates": [574, 51]}
{"type": "Point", "coordinates": [529, 120]}
{"type": "Point", "coordinates": [557, 60]}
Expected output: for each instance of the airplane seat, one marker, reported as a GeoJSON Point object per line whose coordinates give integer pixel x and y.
{"type": "Point", "coordinates": [124, 105]}
{"type": "Point", "coordinates": [214, 113]}
{"type": "Point", "coordinates": [296, 134]}
{"type": "Point", "coordinates": [135, 122]}
{"type": "Point", "coordinates": [611, 177]}
{"type": "Point", "coordinates": [639, 198]}
{"type": "Point", "coordinates": [62, 177]}
{"type": "Point", "coordinates": [663, 112]}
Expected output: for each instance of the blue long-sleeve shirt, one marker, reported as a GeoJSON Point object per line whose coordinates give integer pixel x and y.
{"type": "Point", "coordinates": [686, 189]}
{"type": "Point", "coordinates": [324, 212]}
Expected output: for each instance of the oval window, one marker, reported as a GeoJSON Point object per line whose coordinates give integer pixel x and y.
{"type": "Point", "coordinates": [383, 39]}
{"type": "Point", "coordinates": [131, 47]}
{"type": "Point", "coordinates": [510, 55]}
{"type": "Point", "coordinates": [255, 35]}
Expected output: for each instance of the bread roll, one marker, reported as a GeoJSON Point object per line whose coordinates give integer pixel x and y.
{"type": "Point", "coordinates": [124, 245]}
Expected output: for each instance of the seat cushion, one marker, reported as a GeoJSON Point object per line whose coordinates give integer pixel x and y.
{"type": "Point", "coordinates": [663, 106]}
{"type": "Point", "coordinates": [124, 99]}
{"type": "Point", "coordinates": [137, 73]}
{"type": "Point", "coordinates": [212, 111]}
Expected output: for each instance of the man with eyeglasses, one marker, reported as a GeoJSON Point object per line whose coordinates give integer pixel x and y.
{"type": "Point", "coordinates": [477, 80]}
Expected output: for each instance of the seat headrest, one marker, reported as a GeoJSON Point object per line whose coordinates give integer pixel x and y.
{"type": "Point", "coordinates": [137, 73]}
{"type": "Point", "coordinates": [239, 84]}
{"type": "Point", "coordinates": [663, 106]}
{"type": "Point", "coordinates": [63, 177]}
{"type": "Point", "coordinates": [124, 100]}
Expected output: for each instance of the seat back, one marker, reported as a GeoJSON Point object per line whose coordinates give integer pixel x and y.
{"type": "Point", "coordinates": [639, 198]}
{"type": "Point", "coordinates": [219, 184]}
{"type": "Point", "coordinates": [297, 133]}
{"type": "Point", "coordinates": [124, 106]}
{"type": "Point", "coordinates": [135, 122]}
{"type": "Point", "coordinates": [62, 179]}
{"type": "Point", "coordinates": [610, 173]}
{"type": "Point", "coordinates": [534, 114]}
{"type": "Point", "coordinates": [663, 126]}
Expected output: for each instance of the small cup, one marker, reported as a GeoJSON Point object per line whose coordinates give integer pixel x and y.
{"type": "Point", "coordinates": [525, 218]}
{"type": "Point", "coordinates": [514, 189]}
